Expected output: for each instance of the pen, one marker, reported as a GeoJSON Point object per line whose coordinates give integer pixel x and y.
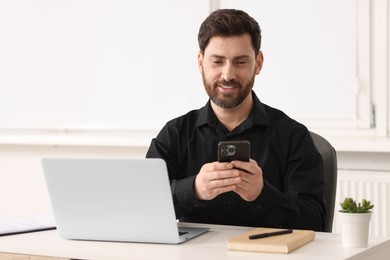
{"type": "Point", "coordinates": [270, 234]}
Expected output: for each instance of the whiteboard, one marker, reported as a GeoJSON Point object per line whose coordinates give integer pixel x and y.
{"type": "Point", "coordinates": [133, 64]}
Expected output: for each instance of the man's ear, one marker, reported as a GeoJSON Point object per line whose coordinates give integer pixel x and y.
{"type": "Point", "coordinates": [259, 62]}
{"type": "Point", "coordinates": [200, 61]}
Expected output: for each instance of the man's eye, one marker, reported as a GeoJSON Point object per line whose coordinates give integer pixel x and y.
{"type": "Point", "coordinates": [241, 62]}
{"type": "Point", "coordinates": [216, 61]}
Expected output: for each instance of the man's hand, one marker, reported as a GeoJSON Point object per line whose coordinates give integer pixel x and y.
{"type": "Point", "coordinates": [252, 182]}
{"type": "Point", "coordinates": [216, 178]}
{"type": "Point", "coordinates": [244, 178]}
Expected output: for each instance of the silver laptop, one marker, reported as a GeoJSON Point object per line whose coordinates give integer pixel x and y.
{"type": "Point", "coordinates": [114, 200]}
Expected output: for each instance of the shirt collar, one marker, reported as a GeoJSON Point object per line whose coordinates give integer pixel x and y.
{"type": "Point", "coordinates": [258, 115]}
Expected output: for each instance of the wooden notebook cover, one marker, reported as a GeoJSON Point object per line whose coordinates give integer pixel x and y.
{"type": "Point", "coordinates": [275, 244]}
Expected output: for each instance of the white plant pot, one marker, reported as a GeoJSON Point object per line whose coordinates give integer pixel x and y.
{"type": "Point", "coordinates": [354, 229]}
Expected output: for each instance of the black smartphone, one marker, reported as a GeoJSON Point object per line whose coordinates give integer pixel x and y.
{"type": "Point", "coordinates": [233, 150]}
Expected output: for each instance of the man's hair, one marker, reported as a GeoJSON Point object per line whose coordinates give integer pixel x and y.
{"type": "Point", "coordinates": [229, 22]}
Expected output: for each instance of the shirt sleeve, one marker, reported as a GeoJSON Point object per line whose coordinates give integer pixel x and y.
{"type": "Point", "coordinates": [182, 188]}
{"type": "Point", "coordinates": [301, 203]}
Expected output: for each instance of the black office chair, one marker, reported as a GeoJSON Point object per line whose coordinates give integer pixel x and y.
{"type": "Point", "coordinates": [329, 161]}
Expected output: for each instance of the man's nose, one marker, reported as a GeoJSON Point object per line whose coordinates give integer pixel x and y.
{"type": "Point", "coordinates": [228, 72]}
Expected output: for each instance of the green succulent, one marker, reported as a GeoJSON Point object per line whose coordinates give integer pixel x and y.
{"type": "Point", "coordinates": [350, 206]}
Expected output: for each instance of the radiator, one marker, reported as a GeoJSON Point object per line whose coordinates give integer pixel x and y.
{"type": "Point", "coordinates": [373, 186]}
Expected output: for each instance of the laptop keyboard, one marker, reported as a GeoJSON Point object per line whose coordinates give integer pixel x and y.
{"type": "Point", "coordinates": [182, 233]}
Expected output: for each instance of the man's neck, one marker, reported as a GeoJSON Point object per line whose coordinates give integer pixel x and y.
{"type": "Point", "coordinates": [233, 117]}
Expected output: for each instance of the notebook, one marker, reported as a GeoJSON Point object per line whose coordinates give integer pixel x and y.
{"type": "Point", "coordinates": [274, 244]}
{"type": "Point", "coordinates": [126, 200]}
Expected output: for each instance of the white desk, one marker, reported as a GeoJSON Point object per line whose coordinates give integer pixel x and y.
{"type": "Point", "coordinates": [211, 245]}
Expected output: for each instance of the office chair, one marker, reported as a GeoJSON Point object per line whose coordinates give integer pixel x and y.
{"type": "Point", "coordinates": [329, 161]}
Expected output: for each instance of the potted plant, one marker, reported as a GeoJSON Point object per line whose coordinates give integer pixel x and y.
{"type": "Point", "coordinates": [354, 220]}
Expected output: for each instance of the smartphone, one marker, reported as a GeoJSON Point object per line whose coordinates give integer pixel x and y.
{"type": "Point", "coordinates": [233, 150]}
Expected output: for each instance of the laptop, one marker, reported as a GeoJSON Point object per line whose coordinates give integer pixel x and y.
{"type": "Point", "coordinates": [126, 200]}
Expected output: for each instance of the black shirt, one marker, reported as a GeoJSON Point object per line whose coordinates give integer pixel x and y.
{"type": "Point", "coordinates": [292, 196]}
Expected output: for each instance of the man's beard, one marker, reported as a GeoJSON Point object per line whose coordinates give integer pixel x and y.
{"type": "Point", "coordinates": [228, 100]}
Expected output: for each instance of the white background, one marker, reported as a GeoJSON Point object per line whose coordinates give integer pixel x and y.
{"type": "Point", "coordinates": [132, 64]}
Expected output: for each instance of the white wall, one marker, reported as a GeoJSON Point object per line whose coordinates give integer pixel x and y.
{"type": "Point", "coordinates": [132, 64]}
{"type": "Point", "coordinates": [98, 63]}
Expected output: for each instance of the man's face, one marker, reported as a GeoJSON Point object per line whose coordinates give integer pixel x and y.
{"type": "Point", "coordinates": [229, 66]}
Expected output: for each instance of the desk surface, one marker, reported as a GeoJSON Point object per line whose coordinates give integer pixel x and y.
{"type": "Point", "coordinates": [212, 245]}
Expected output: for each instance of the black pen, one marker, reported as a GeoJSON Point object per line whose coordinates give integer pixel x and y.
{"type": "Point", "coordinates": [270, 234]}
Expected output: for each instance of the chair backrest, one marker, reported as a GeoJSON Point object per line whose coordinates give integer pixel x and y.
{"type": "Point", "coordinates": [329, 161]}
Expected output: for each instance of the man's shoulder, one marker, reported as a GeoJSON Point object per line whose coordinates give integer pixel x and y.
{"type": "Point", "coordinates": [191, 118]}
{"type": "Point", "coordinates": [279, 118]}
{"type": "Point", "coordinates": [276, 115]}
